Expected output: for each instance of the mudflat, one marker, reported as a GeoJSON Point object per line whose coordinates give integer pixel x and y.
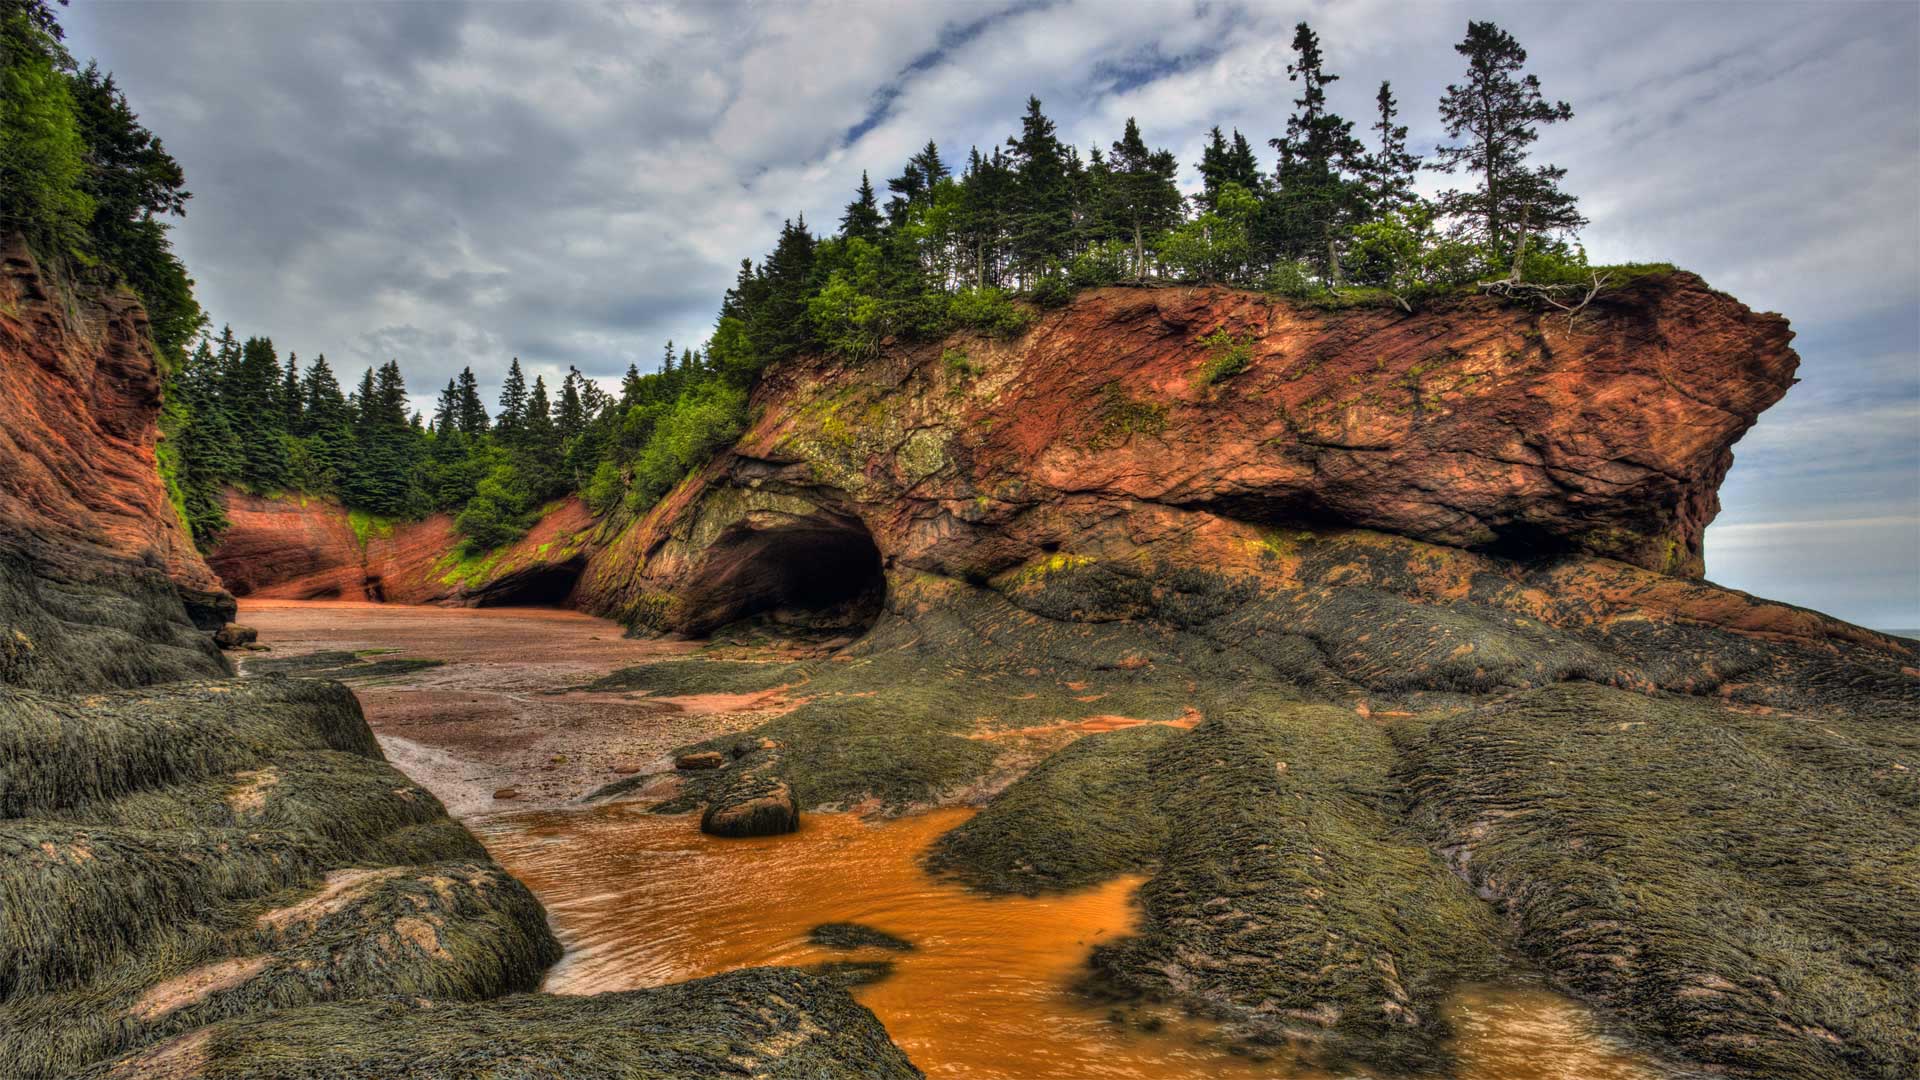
{"type": "Point", "coordinates": [484, 707]}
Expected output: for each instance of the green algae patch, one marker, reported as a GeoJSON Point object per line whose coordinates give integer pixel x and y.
{"type": "Point", "coordinates": [202, 851]}
{"type": "Point", "coordinates": [1742, 884]}
{"type": "Point", "coordinates": [777, 1023]}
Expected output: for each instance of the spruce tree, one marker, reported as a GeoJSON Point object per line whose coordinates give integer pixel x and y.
{"type": "Point", "coordinates": [513, 404]}
{"type": "Point", "coordinates": [291, 403]}
{"type": "Point", "coordinates": [1497, 113]}
{"type": "Point", "coordinates": [1390, 169]}
{"type": "Point", "coordinates": [1140, 194]}
{"type": "Point", "coordinates": [473, 414]}
{"type": "Point", "coordinates": [446, 412]}
{"type": "Point", "coordinates": [1318, 195]}
{"type": "Point", "coordinates": [777, 325]}
{"type": "Point", "coordinates": [1042, 196]}
{"type": "Point", "coordinates": [861, 221]}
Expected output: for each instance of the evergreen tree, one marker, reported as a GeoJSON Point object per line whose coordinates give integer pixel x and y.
{"type": "Point", "coordinates": [291, 402]}
{"type": "Point", "coordinates": [1042, 195]}
{"type": "Point", "coordinates": [513, 404]}
{"type": "Point", "coordinates": [1318, 197]}
{"type": "Point", "coordinates": [257, 417]}
{"type": "Point", "coordinates": [777, 325]}
{"type": "Point", "coordinates": [1497, 113]}
{"type": "Point", "coordinates": [472, 414]}
{"type": "Point", "coordinates": [1391, 168]}
{"type": "Point", "coordinates": [571, 418]}
{"type": "Point", "coordinates": [862, 218]}
{"type": "Point", "coordinates": [322, 406]}
{"type": "Point", "coordinates": [446, 412]}
{"type": "Point", "coordinates": [1140, 194]}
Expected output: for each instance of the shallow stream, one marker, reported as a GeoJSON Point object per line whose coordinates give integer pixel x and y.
{"type": "Point", "coordinates": [641, 899]}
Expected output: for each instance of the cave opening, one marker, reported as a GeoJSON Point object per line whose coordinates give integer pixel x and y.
{"type": "Point", "coordinates": [817, 574]}
{"type": "Point", "coordinates": [545, 585]}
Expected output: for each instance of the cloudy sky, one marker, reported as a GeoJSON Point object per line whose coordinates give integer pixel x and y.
{"type": "Point", "coordinates": [453, 184]}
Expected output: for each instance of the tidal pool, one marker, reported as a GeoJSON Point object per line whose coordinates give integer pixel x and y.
{"type": "Point", "coordinates": [641, 899]}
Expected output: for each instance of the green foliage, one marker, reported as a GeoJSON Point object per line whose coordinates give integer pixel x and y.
{"type": "Point", "coordinates": [701, 421]}
{"type": "Point", "coordinates": [43, 158]}
{"type": "Point", "coordinates": [1228, 356]}
{"type": "Point", "coordinates": [988, 310]}
{"type": "Point", "coordinates": [1405, 254]}
{"type": "Point", "coordinates": [1122, 417]}
{"type": "Point", "coordinates": [1293, 279]}
{"type": "Point", "coordinates": [958, 365]}
{"type": "Point", "coordinates": [1053, 291]}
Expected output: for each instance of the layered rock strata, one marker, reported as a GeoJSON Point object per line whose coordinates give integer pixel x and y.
{"type": "Point", "coordinates": [1378, 641]}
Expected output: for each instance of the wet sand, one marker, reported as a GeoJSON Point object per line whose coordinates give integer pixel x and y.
{"type": "Point", "coordinates": [501, 716]}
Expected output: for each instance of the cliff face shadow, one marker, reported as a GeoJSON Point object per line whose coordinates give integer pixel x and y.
{"type": "Point", "coordinates": [817, 573]}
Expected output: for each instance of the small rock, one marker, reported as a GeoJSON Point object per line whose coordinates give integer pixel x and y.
{"type": "Point", "coordinates": [747, 746]}
{"type": "Point", "coordinates": [700, 759]}
{"type": "Point", "coordinates": [234, 636]}
{"type": "Point", "coordinates": [507, 793]}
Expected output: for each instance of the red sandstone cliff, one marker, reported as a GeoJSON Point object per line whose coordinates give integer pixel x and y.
{"type": "Point", "coordinates": [1475, 423]}
{"type": "Point", "coordinates": [79, 420]}
{"type": "Point", "coordinates": [99, 583]}
{"type": "Point", "coordinates": [301, 548]}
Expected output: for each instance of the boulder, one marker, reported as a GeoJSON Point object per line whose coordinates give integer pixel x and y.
{"type": "Point", "coordinates": [753, 800]}
{"type": "Point", "coordinates": [699, 760]}
{"type": "Point", "coordinates": [235, 636]}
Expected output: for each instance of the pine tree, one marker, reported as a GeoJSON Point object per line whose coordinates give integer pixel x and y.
{"type": "Point", "coordinates": [322, 405]}
{"type": "Point", "coordinates": [1140, 194]}
{"type": "Point", "coordinates": [472, 414]}
{"type": "Point", "coordinates": [1042, 198]}
{"type": "Point", "coordinates": [513, 404]}
{"type": "Point", "coordinates": [1318, 198]}
{"type": "Point", "coordinates": [1500, 115]}
{"type": "Point", "coordinates": [290, 397]}
{"type": "Point", "coordinates": [571, 419]}
{"type": "Point", "coordinates": [1390, 169]}
{"type": "Point", "coordinates": [257, 417]}
{"type": "Point", "coordinates": [861, 221]}
{"type": "Point", "coordinates": [446, 412]}
{"type": "Point", "coordinates": [777, 325]}
{"type": "Point", "coordinates": [1212, 169]}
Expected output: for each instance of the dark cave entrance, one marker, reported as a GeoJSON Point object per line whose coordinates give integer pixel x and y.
{"type": "Point", "coordinates": [546, 585]}
{"type": "Point", "coordinates": [815, 574]}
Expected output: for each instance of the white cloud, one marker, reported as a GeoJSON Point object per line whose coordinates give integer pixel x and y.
{"type": "Point", "coordinates": [454, 184]}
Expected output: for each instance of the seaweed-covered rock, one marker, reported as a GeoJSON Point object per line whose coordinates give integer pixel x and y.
{"type": "Point", "coordinates": [752, 799]}
{"type": "Point", "coordinates": [845, 935]}
{"type": "Point", "coordinates": [234, 636]}
{"type": "Point", "coordinates": [777, 1023]}
{"type": "Point", "coordinates": [187, 853]}
{"type": "Point", "coordinates": [1742, 883]}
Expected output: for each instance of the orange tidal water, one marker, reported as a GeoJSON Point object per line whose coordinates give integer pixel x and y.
{"type": "Point", "coordinates": [642, 899]}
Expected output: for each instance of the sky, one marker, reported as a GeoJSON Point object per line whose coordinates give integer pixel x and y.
{"type": "Point", "coordinates": [453, 184]}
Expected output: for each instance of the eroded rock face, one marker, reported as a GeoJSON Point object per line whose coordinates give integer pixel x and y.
{"type": "Point", "coordinates": [304, 548]}
{"type": "Point", "coordinates": [99, 583]}
{"type": "Point", "coordinates": [1473, 424]}
{"type": "Point", "coordinates": [1398, 645]}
